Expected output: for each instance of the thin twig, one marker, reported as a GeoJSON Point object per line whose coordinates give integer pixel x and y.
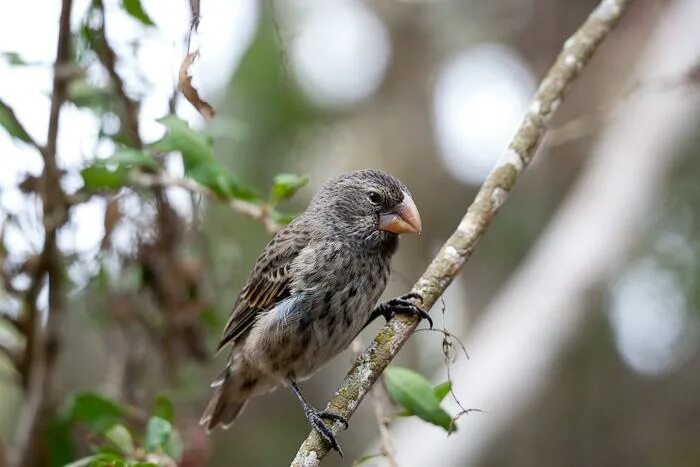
{"type": "Point", "coordinates": [576, 52]}
{"type": "Point", "coordinates": [257, 211]}
{"type": "Point", "coordinates": [589, 122]}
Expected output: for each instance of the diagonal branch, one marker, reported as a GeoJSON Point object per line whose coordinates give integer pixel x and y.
{"type": "Point", "coordinates": [575, 54]}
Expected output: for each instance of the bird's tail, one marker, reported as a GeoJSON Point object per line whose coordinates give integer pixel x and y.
{"type": "Point", "coordinates": [223, 406]}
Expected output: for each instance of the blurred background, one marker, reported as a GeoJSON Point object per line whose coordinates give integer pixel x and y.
{"type": "Point", "coordinates": [580, 309]}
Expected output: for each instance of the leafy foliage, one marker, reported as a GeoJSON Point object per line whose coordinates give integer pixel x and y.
{"type": "Point", "coordinates": [11, 125]}
{"type": "Point", "coordinates": [413, 392]}
{"type": "Point", "coordinates": [135, 9]}
{"type": "Point", "coordinates": [285, 186]}
{"type": "Point", "coordinates": [199, 160]}
{"type": "Point", "coordinates": [112, 438]}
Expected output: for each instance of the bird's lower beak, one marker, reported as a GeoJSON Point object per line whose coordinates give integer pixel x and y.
{"type": "Point", "coordinates": [403, 218]}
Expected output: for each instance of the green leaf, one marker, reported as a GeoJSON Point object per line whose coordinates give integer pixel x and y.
{"type": "Point", "coordinates": [163, 408]}
{"type": "Point", "coordinates": [193, 146]}
{"type": "Point", "coordinates": [442, 390]}
{"type": "Point", "coordinates": [130, 157]}
{"type": "Point", "coordinates": [135, 9]}
{"type": "Point", "coordinates": [105, 459]}
{"type": "Point", "coordinates": [95, 410]}
{"type": "Point", "coordinates": [413, 392]}
{"type": "Point", "coordinates": [285, 186]}
{"type": "Point", "coordinates": [60, 442]}
{"type": "Point", "coordinates": [121, 438]}
{"type": "Point", "coordinates": [174, 447]}
{"type": "Point", "coordinates": [14, 59]}
{"type": "Point", "coordinates": [86, 95]}
{"type": "Point", "coordinates": [9, 121]}
{"type": "Point", "coordinates": [283, 217]}
{"type": "Point", "coordinates": [198, 159]}
{"type": "Point", "coordinates": [158, 431]}
{"type": "Point", "coordinates": [96, 177]}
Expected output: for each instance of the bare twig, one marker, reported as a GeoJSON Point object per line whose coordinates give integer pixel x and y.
{"type": "Point", "coordinates": [258, 211]}
{"type": "Point", "coordinates": [381, 404]}
{"type": "Point", "coordinates": [576, 52]}
{"type": "Point", "coordinates": [587, 123]}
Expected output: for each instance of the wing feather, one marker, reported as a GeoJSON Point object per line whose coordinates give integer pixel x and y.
{"type": "Point", "coordinates": [268, 284]}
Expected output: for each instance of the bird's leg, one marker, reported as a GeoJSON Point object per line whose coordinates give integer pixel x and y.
{"type": "Point", "coordinates": [315, 418]}
{"type": "Point", "coordinates": [401, 304]}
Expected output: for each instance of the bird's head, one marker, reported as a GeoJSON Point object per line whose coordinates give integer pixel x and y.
{"type": "Point", "coordinates": [367, 204]}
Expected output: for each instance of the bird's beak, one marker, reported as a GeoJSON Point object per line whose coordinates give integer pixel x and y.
{"type": "Point", "coordinates": [403, 218]}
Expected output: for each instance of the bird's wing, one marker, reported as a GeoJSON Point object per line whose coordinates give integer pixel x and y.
{"type": "Point", "coordinates": [269, 283]}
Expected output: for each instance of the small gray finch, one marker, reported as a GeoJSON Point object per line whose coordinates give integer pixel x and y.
{"type": "Point", "coordinates": [311, 292]}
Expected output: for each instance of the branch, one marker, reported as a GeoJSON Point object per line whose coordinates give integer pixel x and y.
{"type": "Point", "coordinates": [41, 345]}
{"type": "Point", "coordinates": [595, 229]}
{"type": "Point", "coordinates": [257, 211]}
{"type": "Point", "coordinates": [108, 59]}
{"type": "Point", "coordinates": [576, 52]}
{"type": "Point", "coordinates": [382, 414]}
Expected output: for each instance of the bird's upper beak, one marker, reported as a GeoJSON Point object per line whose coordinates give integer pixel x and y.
{"type": "Point", "coordinates": [403, 218]}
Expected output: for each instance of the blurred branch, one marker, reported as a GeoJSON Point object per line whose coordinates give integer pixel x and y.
{"type": "Point", "coordinates": [108, 59]}
{"type": "Point", "coordinates": [586, 242]}
{"type": "Point", "coordinates": [589, 122]}
{"type": "Point", "coordinates": [9, 347]}
{"type": "Point", "coordinates": [42, 341]}
{"type": "Point", "coordinates": [381, 404]}
{"type": "Point", "coordinates": [382, 413]}
{"type": "Point", "coordinates": [257, 211]}
{"type": "Point", "coordinates": [576, 52]}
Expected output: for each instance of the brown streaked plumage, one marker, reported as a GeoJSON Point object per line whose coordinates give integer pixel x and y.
{"type": "Point", "coordinates": [312, 290]}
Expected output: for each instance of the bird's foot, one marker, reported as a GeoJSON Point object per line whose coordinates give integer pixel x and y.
{"type": "Point", "coordinates": [315, 418]}
{"type": "Point", "coordinates": [404, 305]}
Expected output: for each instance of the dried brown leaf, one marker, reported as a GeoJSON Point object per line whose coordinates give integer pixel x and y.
{"type": "Point", "coordinates": [189, 91]}
{"type": "Point", "coordinates": [112, 216]}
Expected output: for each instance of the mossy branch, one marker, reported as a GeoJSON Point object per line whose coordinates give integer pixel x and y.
{"type": "Point", "coordinates": [575, 54]}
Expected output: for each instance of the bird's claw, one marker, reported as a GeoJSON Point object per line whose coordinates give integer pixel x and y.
{"type": "Point", "coordinates": [411, 295]}
{"type": "Point", "coordinates": [404, 304]}
{"type": "Point", "coordinates": [334, 417]}
{"type": "Point", "coordinates": [316, 417]}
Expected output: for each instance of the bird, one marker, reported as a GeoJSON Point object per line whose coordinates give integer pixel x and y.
{"type": "Point", "coordinates": [313, 288]}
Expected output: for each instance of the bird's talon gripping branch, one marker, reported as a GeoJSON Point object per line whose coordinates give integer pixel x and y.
{"type": "Point", "coordinates": [403, 305]}
{"type": "Point", "coordinates": [415, 295]}
{"type": "Point", "coordinates": [335, 417]}
{"type": "Point", "coordinates": [315, 418]}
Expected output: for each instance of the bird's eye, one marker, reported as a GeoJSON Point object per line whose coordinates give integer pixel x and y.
{"type": "Point", "coordinates": [374, 197]}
